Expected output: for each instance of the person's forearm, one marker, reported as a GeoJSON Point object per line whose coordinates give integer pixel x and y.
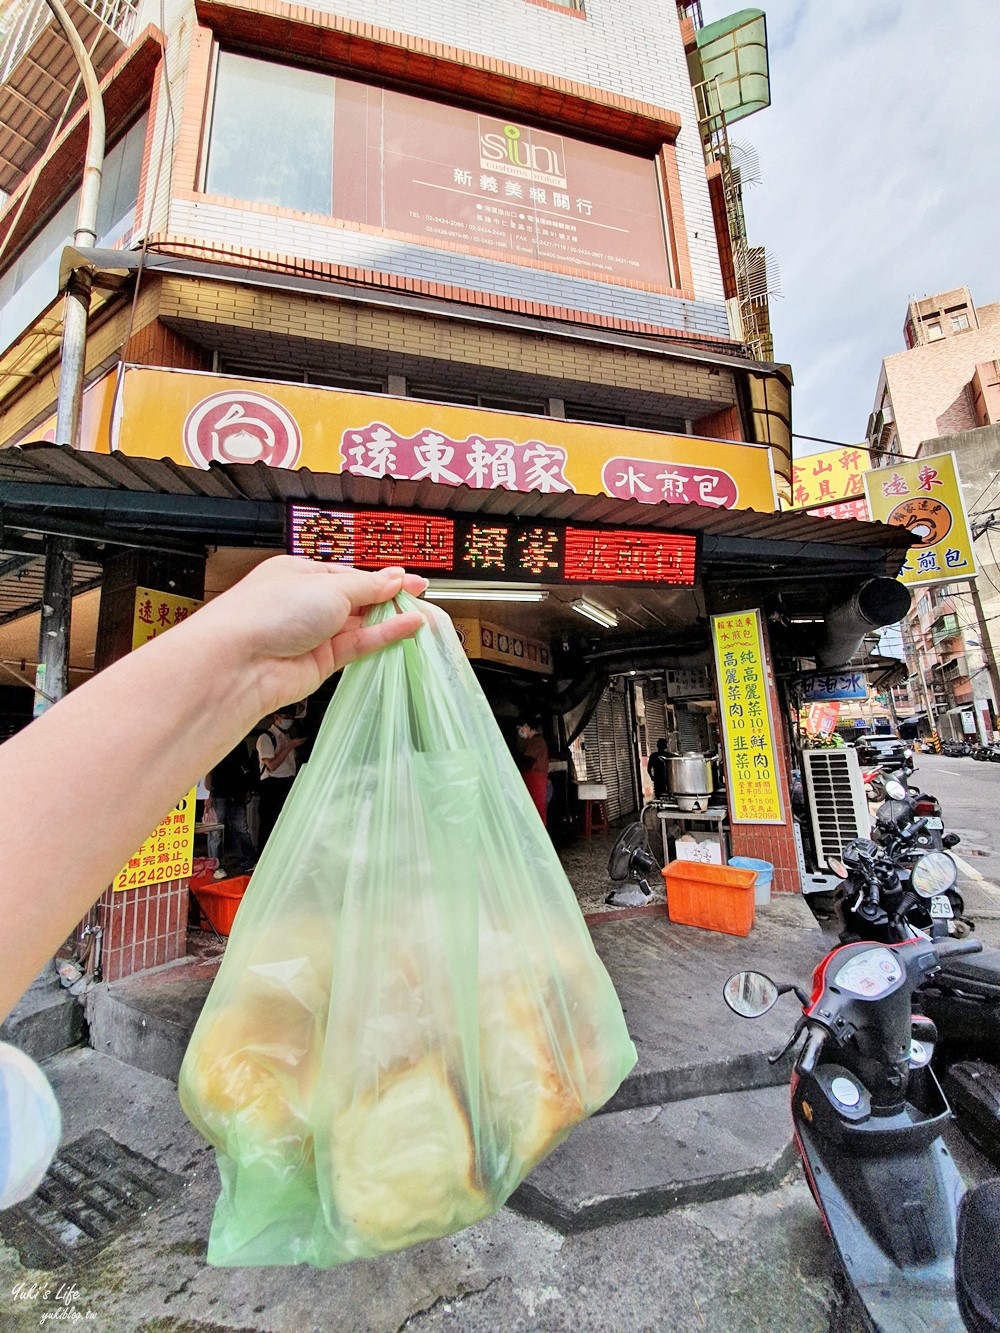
{"type": "Point", "coordinates": [166, 719]}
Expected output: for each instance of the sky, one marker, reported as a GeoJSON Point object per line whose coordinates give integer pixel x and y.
{"type": "Point", "coordinates": [880, 182]}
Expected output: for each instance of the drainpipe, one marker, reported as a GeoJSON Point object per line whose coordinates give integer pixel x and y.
{"type": "Point", "coordinates": [52, 676]}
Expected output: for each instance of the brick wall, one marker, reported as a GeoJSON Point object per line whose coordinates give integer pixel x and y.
{"type": "Point", "coordinates": [930, 387]}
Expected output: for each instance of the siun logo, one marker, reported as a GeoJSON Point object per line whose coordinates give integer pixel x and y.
{"type": "Point", "coordinates": [528, 154]}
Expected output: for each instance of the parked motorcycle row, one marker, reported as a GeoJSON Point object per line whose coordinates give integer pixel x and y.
{"type": "Point", "coordinates": [901, 1035]}
{"type": "Point", "coordinates": [967, 750]}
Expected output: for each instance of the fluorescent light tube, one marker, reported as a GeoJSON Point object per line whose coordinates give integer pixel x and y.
{"type": "Point", "coordinates": [599, 614]}
{"type": "Point", "coordinates": [472, 592]}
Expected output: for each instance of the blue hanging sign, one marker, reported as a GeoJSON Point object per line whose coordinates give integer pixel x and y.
{"type": "Point", "coordinates": [827, 687]}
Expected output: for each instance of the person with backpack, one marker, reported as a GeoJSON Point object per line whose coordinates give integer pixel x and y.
{"type": "Point", "coordinates": [276, 750]}
{"type": "Point", "coordinates": [232, 782]}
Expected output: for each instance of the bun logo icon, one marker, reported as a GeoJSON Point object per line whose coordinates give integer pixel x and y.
{"type": "Point", "coordinates": [241, 427]}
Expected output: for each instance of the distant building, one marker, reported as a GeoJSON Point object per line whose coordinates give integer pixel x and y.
{"type": "Point", "coordinates": [940, 395]}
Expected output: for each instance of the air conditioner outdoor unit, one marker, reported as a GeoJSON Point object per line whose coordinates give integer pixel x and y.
{"type": "Point", "coordinates": [838, 807]}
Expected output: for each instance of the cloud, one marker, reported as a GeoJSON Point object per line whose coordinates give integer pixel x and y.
{"type": "Point", "coordinates": [879, 182]}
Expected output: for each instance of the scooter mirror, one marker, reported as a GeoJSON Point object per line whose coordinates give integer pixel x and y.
{"type": "Point", "coordinates": [934, 873]}
{"type": "Point", "coordinates": [838, 867]}
{"type": "Point", "coordinates": [895, 790]}
{"type": "Point", "coordinates": [750, 994]}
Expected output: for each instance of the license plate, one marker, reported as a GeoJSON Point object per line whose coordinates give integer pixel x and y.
{"type": "Point", "coordinates": [941, 908]}
{"type": "Point", "coordinates": [935, 823]}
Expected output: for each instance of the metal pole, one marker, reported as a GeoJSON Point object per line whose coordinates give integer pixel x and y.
{"type": "Point", "coordinates": [52, 674]}
{"type": "Point", "coordinates": [986, 646]}
{"type": "Point", "coordinates": [77, 305]}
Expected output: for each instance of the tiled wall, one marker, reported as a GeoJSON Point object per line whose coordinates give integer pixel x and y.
{"type": "Point", "coordinates": [143, 928]}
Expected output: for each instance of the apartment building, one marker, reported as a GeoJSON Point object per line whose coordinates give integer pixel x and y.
{"type": "Point", "coordinates": [942, 395]}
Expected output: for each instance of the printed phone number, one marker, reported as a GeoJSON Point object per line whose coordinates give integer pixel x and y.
{"type": "Point", "coordinates": [154, 874]}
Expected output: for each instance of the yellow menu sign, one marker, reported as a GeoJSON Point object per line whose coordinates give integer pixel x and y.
{"type": "Point", "coordinates": [156, 612]}
{"type": "Point", "coordinates": [168, 851]}
{"type": "Point", "coordinates": [924, 496]}
{"type": "Point", "coordinates": [747, 726]}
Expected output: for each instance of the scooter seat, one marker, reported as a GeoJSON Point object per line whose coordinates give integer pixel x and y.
{"type": "Point", "coordinates": [979, 973]}
{"type": "Point", "coordinates": [977, 1275]}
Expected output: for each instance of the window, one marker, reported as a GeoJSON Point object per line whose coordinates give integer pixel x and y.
{"type": "Point", "coordinates": [272, 135]}
{"type": "Point", "coordinates": [959, 322]}
{"type": "Point", "coordinates": [934, 330]}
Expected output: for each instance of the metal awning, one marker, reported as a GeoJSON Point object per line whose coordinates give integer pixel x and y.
{"type": "Point", "coordinates": [38, 74]}
{"type": "Point", "coordinates": [22, 579]}
{"type": "Point", "coordinates": [113, 498]}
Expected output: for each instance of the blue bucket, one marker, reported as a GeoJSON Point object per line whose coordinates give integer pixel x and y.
{"type": "Point", "coordinates": [762, 884]}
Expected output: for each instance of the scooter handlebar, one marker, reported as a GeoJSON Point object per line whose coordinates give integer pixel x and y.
{"type": "Point", "coordinates": [810, 1051]}
{"type": "Point", "coordinates": [957, 948]}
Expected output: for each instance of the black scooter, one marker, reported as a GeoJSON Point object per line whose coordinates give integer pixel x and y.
{"type": "Point", "coordinates": [868, 1115]}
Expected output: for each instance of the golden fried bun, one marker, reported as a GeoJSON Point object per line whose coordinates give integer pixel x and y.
{"type": "Point", "coordinates": [532, 1095]}
{"type": "Point", "coordinates": [247, 1079]}
{"type": "Point", "coordinates": [403, 1166]}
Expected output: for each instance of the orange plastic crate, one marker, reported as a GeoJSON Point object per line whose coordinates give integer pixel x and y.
{"type": "Point", "coordinates": [712, 897]}
{"type": "Point", "coordinates": [220, 900]}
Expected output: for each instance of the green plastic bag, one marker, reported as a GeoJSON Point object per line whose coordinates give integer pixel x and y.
{"type": "Point", "coordinates": [410, 1013]}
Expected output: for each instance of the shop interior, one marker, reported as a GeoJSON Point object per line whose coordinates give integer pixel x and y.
{"type": "Point", "coordinates": [610, 674]}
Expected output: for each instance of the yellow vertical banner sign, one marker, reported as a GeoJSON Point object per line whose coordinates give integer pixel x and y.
{"type": "Point", "coordinates": [168, 852]}
{"type": "Point", "coordinates": [156, 612]}
{"type": "Point", "coordinates": [747, 724]}
{"type": "Point", "coordinates": [924, 496]}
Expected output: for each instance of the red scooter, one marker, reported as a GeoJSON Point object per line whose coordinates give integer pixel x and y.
{"type": "Point", "coordinates": [868, 1113]}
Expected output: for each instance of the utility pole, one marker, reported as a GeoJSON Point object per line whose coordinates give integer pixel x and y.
{"type": "Point", "coordinates": [986, 646]}
{"type": "Point", "coordinates": [52, 674]}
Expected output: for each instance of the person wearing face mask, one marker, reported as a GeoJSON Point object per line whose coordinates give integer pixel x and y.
{"type": "Point", "coordinates": [276, 750]}
{"type": "Point", "coordinates": [533, 761]}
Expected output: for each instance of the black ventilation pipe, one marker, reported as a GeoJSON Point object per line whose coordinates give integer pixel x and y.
{"type": "Point", "coordinates": [877, 603]}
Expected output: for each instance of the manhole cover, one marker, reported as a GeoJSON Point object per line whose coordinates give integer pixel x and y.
{"type": "Point", "coordinates": [94, 1189]}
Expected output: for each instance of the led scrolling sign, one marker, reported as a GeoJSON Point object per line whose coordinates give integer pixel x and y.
{"type": "Point", "coordinates": [493, 549]}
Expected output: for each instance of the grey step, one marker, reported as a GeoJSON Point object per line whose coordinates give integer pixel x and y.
{"type": "Point", "coordinates": [736, 1072]}
{"type": "Point", "coordinates": [45, 1020]}
{"type": "Point", "coordinates": [645, 1161]}
{"type": "Point", "coordinates": [148, 1023]}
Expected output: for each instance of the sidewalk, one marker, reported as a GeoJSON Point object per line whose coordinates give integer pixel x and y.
{"type": "Point", "coordinates": [753, 1263]}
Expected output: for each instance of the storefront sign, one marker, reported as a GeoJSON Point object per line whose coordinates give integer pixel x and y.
{"type": "Point", "coordinates": [748, 730]}
{"type": "Point", "coordinates": [497, 550]}
{"type": "Point", "coordinates": [821, 687]}
{"type": "Point", "coordinates": [821, 719]}
{"type": "Point", "coordinates": [167, 852]}
{"type": "Point", "coordinates": [452, 178]}
{"type": "Point", "coordinates": [196, 420]}
{"type": "Point", "coordinates": [845, 509]}
{"type": "Point", "coordinates": [156, 612]}
{"type": "Point", "coordinates": [486, 642]}
{"type": "Point", "coordinates": [834, 475]}
{"type": "Point", "coordinates": [924, 496]}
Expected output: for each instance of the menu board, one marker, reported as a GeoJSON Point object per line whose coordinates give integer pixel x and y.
{"type": "Point", "coordinates": [748, 729]}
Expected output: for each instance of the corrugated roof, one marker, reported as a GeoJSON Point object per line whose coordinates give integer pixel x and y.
{"type": "Point", "coordinates": [53, 464]}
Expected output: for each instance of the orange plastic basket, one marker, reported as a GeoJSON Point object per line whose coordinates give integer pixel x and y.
{"type": "Point", "coordinates": [712, 897]}
{"type": "Point", "coordinates": [220, 900]}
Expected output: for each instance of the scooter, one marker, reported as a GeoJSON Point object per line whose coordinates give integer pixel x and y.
{"type": "Point", "coordinates": [963, 999]}
{"type": "Point", "coordinates": [868, 1115]}
{"type": "Point", "coordinates": [883, 896]}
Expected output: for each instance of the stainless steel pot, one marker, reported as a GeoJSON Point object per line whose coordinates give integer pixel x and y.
{"type": "Point", "coordinates": [692, 774]}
